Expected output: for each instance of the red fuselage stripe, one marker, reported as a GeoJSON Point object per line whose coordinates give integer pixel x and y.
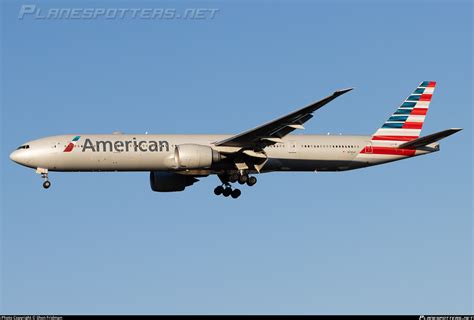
{"type": "Point", "coordinates": [388, 150]}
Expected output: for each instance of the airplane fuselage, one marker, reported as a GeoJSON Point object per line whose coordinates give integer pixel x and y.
{"type": "Point", "coordinates": [124, 152]}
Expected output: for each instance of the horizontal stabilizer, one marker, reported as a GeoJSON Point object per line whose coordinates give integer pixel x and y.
{"type": "Point", "coordinates": [423, 141]}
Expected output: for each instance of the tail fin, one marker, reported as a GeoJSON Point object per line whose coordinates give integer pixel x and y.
{"type": "Point", "coordinates": [406, 123]}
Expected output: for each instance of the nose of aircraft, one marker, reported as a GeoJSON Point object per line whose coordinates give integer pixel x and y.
{"type": "Point", "coordinates": [18, 156]}
{"type": "Point", "coordinates": [25, 156]}
{"type": "Point", "coordinates": [14, 156]}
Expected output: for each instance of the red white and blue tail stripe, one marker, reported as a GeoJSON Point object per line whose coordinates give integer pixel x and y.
{"type": "Point", "coordinates": [403, 125]}
{"type": "Point", "coordinates": [407, 121]}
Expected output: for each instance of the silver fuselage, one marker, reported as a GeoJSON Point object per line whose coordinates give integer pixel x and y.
{"type": "Point", "coordinates": [125, 152]}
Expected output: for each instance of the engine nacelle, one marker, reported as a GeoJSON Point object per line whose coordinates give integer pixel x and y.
{"type": "Point", "coordinates": [168, 181]}
{"type": "Point", "coordinates": [195, 156]}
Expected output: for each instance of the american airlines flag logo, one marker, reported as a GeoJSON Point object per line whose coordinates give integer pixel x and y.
{"type": "Point", "coordinates": [404, 125]}
{"type": "Point", "coordinates": [71, 144]}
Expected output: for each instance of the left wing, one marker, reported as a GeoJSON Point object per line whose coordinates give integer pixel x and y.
{"type": "Point", "coordinates": [272, 132]}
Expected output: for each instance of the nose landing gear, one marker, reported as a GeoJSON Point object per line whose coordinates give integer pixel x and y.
{"type": "Point", "coordinates": [46, 184]}
{"type": "Point", "coordinates": [44, 176]}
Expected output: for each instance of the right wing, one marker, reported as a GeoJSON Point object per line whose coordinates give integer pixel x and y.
{"type": "Point", "coordinates": [272, 132]}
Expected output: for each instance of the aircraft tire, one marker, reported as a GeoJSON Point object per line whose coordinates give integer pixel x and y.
{"type": "Point", "coordinates": [234, 177]}
{"type": "Point", "coordinates": [227, 191]}
{"type": "Point", "coordinates": [243, 179]}
{"type": "Point", "coordinates": [236, 193]}
{"type": "Point", "coordinates": [251, 181]}
{"type": "Point", "coordinates": [218, 190]}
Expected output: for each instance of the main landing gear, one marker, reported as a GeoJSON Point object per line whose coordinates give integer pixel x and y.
{"type": "Point", "coordinates": [226, 189]}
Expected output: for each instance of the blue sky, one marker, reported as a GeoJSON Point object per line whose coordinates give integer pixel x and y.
{"type": "Point", "coordinates": [389, 239]}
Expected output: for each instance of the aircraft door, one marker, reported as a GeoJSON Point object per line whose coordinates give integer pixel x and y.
{"type": "Point", "coordinates": [58, 147]}
{"type": "Point", "coordinates": [291, 146]}
{"type": "Point", "coordinates": [368, 148]}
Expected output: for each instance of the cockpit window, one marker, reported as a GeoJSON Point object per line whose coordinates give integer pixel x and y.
{"type": "Point", "coordinates": [23, 147]}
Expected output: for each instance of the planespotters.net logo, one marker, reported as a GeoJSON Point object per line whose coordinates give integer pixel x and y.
{"type": "Point", "coordinates": [32, 11]}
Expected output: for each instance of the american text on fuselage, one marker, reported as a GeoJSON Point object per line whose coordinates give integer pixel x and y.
{"type": "Point", "coordinates": [125, 146]}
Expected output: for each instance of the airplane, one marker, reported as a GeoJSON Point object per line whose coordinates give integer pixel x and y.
{"type": "Point", "coordinates": [177, 161]}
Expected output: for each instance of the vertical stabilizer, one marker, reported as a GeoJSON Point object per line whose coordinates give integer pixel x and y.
{"type": "Point", "coordinates": [407, 121]}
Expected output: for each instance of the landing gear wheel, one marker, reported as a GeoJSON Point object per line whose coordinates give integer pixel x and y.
{"type": "Point", "coordinates": [233, 177]}
{"type": "Point", "coordinates": [236, 193]}
{"type": "Point", "coordinates": [243, 179]}
{"type": "Point", "coordinates": [227, 191]}
{"type": "Point", "coordinates": [251, 181]}
{"type": "Point", "coordinates": [218, 190]}
{"type": "Point", "coordinates": [46, 184]}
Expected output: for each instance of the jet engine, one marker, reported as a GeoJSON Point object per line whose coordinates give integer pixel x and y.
{"type": "Point", "coordinates": [195, 156]}
{"type": "Point", "coordinates": [168, 181]}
